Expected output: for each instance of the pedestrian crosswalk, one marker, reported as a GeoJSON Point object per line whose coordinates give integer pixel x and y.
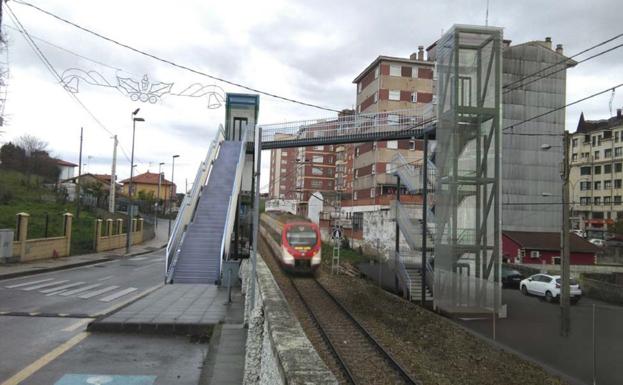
{"type": "Point", "coordinates": [79, 289]}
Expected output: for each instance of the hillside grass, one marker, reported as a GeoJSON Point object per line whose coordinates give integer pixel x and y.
{"type": "Point", "coordinates": [19, 193]}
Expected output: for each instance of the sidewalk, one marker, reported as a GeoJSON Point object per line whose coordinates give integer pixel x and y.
{"type": "Point", "coordinates": [21, 269]}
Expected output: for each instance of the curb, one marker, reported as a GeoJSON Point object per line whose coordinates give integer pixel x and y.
{"type": "Point", "coordinates": [71, 265]}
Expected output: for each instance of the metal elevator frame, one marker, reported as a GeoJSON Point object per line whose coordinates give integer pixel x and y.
{"type": "Point", "coordinates": [469, 116]}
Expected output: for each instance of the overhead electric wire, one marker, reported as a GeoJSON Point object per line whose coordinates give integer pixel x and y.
{"type": "Point", "coordinates": [558, 109]}
{"type": "Point", "coordinates": [56, 75]}
{"type": "Point", "coordinates": [562, 69]}
{"type": "Point", "coordinates": [172, 63]}
{"type": "Point", "coordinates": [566, 60]}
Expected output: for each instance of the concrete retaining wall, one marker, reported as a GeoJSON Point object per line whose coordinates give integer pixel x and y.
{"type": "Point", "coordinates": [278, 351]}
{"type": "Point", "coordinates": [601, 290]}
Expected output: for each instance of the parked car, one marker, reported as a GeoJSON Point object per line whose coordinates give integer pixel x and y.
{"type": "Point", "coordinates": [548, 286]}
{"type": "Point", "coordinates": [597, 242]}
{"type": "Point", "coordinates": [510, 277]}
{"type": "Point", "coordinates": [579, 233]}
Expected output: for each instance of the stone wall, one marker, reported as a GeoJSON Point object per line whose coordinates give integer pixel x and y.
{"type": "Point", "coordinates": [110, 237]}
{"type": "Point", "coordinates": [27, 250]}
{"type": "Point", "coordinates": [604, 291]}
{"type": "Point", "coordinates": [278, 351]}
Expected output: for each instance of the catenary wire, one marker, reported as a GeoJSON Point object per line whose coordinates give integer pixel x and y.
{"type": "Point", "coordinates": [566, 60]}
{"type": "Point", "coordinates": [171, 62]}
{"type": "Point", "coordinates": [56, 75]}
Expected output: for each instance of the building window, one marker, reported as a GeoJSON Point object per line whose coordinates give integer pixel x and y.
{"type": "Point", "coordinates": [316, 171]}
{"type": "Point", "coordinates": [373, 169]}
{"type": "Point", "coordinates": [607, 201]}
{"type": "Point", "coordinates": [534, 254]}
{"type": "Point", "coordinates": [607, 169]}
{"type": "Point", "coordinates": [359, 87]}
{"type": "Point", "coordinates": [617, 183]}
{"type": "Point", "coordinates": [357, 154]}
{"type": "Point", "coordinates": [376, 97]}
{"type": "Point", "coordinates": [585, 201]}
{"type": "Point", "coordinates": [607, 184]}
{"type": "Point", "coordinates": [284, 161]}
{"type": "Point", "coordinates": [574, 157]}
{"type": "Point", "coordinates": [317, 159]}
{"type": "Point", "coordinates": [585, 186]}
{"type": "Point", "coordinates": [412, 145]}
{"type": "Point", "coordinates": [618, 167]}
{"type": "Point", "coordinates": [372, 192]}
{"type": "Point", "coordinates": [594, 140]}
{"type": "Point", "coordinates": [617, 199]}
{"type": "Point", "coordinates": [376, 72]}
{"type": "Point", "coordinates": [356, 173]}
{"type": "Point", "coordinates": [395, 70]}
{"type": "Point", "coordinates": [316, 183]}
{"type": "Point", "coordinates": [355, 195]}
{"type": "Point", "coordinates": [413, 97]}
{"type": "Point", "coordinates": [319, 148]}
{"type": "Point", "coordinates": [394, 95]}
{"type": "Point", "coordinates": [597, 170]}
{"type": "Point", "coordinates": [585, 170]}
{"type": "Point", "coordinates": [597, 201]}
{"type": "Point", "coordinates": [596, 155]}
{"type": "Point", "coordinates": [618, 151]}
{"type": "Point", "coordinates": [392, 144]}
{"type": "Point", "coordinates": [616, 137]}
{"type": "Point", "coordinates": [608, 153]}
{"type": "Point", "coordinates": [597, 186]}
{"type": "Point", "coordinates": [574, 143]}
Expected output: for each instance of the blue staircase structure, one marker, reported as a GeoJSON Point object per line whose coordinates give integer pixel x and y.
{"type": "Point", "coordinates": [202, 234]}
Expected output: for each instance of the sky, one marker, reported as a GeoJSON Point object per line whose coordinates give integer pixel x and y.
{"type": "Point", "coordinates": [304, 50]}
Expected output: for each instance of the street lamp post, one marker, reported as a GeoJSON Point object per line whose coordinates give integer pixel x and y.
{"type": "Point", "coordinates": [171, 191]}
{"type": "Point", "coordinates": [130, 207]}
{"type": "Point", "coordinates": [157, 208]}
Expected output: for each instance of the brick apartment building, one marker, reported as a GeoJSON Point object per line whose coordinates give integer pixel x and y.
{"type": "Point", "coordinates": [388, 84]}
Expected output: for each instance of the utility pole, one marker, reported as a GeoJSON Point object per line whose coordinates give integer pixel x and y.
{"type": "Point", "coordinates": [172, 190]}
{"type": "Point", "coordinates": [113, 178]}
{"type": "Point", "coordinates": [157, 208]}
{"type": "Point", "coordinates": [565, 317]}
{"type": "Point", "coordinates": [78, 179]}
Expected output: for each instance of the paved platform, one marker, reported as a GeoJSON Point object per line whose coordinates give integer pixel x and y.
{"type": "Point", "coordinates": [178, 309]}
{"type": "Point", "coordinates": [224, 364]}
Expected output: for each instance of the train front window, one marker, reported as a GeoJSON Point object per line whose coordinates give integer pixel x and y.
{"type": "Point", "coordinates": [301, 236]}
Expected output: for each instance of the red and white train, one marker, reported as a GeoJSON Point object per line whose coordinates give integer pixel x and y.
{"type": "Point", "coordinates": [296, 243]}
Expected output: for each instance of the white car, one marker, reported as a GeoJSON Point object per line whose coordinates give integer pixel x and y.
{"type": "Point", "coordinates": [548, 286]}
{"type": "Point", "coordinates": [597, 242]}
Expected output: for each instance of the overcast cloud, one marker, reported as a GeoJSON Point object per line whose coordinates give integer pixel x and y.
{"type": "Point", "coordinates": [307, 50]}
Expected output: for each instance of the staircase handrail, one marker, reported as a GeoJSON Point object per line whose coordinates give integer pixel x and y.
{"type": "Point", "coordinates": [403, 276]}
{"type": "Point", "coordinates": [189, 205]}
{"type": "Point", "coordinates": [233, 201]}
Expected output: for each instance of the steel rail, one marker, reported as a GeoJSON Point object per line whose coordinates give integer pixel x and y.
{"type": "Point", "coordinates": [342, 363]}
{"type": "Point", "coordinates": [387, 355]}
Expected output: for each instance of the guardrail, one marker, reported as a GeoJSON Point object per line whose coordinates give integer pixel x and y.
{"type": "Point", "coordinates": [189, 205]}
{"type": "Point", "coordinates": [349, 126]}
{"type": "Point", "coordinates": [233, 199]}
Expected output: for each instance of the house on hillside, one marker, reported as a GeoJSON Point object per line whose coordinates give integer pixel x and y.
{"type": "Point", "coordinates": [95, 187]}
{"type": "Point", "coordinates": [147, 185]}
{"type": "Point", "coordinates": [67, 169]}
{"type": "Point", "coordinates": [531, 247]}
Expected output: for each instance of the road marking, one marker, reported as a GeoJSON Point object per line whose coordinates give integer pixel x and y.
{"type": "Point", "coordinates": [129, 300]}
{"type": "Point", "coordinates": [119, 294]}
{"type": "Point", "coordinates": [34, 313]}
{"type": "Point", "coordinates": [30, 288]}
{"type": "Point", "coordinates": [61, 287]}
{"type": "Point", "coordinates": [80, 290]}
{"type": "Point", "coordinates": [77, 325]}
{"type": "Point", "coordinates": [105, 278]}
{"type": "Point", "coordinates": [98, 292]}
{"type": "Point", "coordinates": [29, 283]}
{"type": "Point", "coordinates": [31, 369]}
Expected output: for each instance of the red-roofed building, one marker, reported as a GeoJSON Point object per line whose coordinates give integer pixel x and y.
{"type": "Point", "coordinates": [531, 247]}
{"type": "Point", "coordinates": [148, 182]}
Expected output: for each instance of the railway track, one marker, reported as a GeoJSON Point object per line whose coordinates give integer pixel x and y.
{"type": "Point", "coordinates": [361, 356]}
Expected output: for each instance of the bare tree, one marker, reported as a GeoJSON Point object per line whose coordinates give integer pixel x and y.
{"type": "Point", "coordinates": [31, 144]}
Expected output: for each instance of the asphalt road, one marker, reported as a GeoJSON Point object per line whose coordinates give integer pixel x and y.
{"type": "Point", "coordinates": [533, 325]}
{"type": "Point", "coordinates": [46, 314]}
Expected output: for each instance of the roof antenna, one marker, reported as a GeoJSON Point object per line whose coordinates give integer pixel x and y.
{"type": "Point", "coordinates": [487, 15]}
{"type": "Point", "coordinates": [611, 99]}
